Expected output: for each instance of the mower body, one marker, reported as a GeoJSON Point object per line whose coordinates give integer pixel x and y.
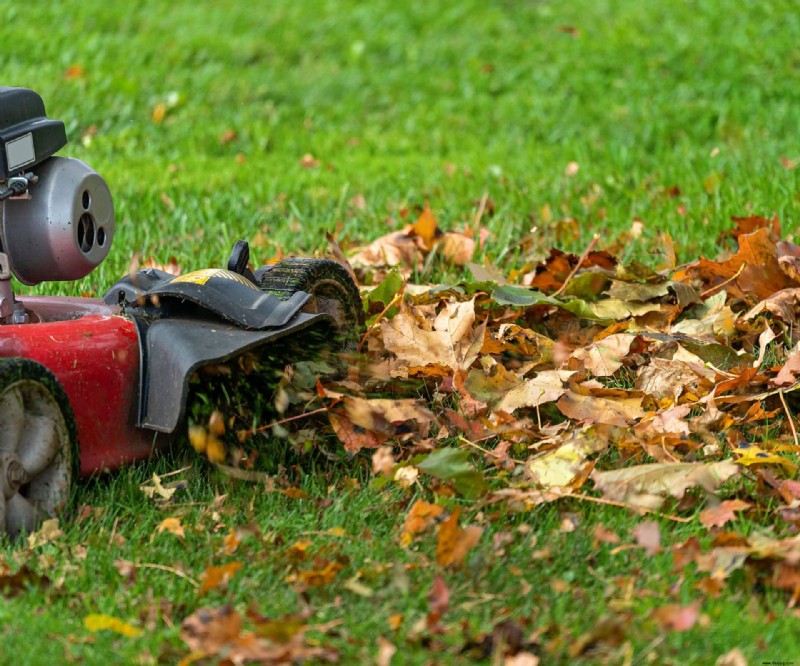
{"type": "Point", "coordinates": [93, 351]}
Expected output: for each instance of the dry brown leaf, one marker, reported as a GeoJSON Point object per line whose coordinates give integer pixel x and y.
{"type": "Point", "coordinates": [366, 423]}
{"type": "Point", "coordinates": [426, 228]}
{"type": "Point", "coordinates": [648, 536]}
{"type": "Point", "coordinates": [218, 631]}
{"type": "Point", "coordinates": [216, 577]}
{"type": "Point", "coordinates": [733, 658]}
{"type": "Point", "coordinates": [781, 305]}
{"type": "Point", "coordinates": [73, 72]}
{"type": "Point", "coordinates": [546, 386]}
{"type": "Point", "coordinates": [457, 248]}
{"type": "Point", "coordinates": [454, 340]}
{"type": "Point", "coordinates": [789, 372]}
{"type": "Point", "coordinates": [604, 535]}
{"type": "Point", "coordinates": [596, 409]}
{"type": "Point", "coordinates": [209, 629]}
{"type": "Point", "coordinates": [438, 600]}
{"type": "Point", "coordinates": [396, 249]}
{"type": "Point", "coordinates": [648, 486]}
{"type": "Point", "coordinates": [386, 650]}
{"type": "Point", "coordinates": [752, 274]}
{"type": "Point", "coordinates": [316, 577]}
{"type": "Point", "coordinates": [724, 512]}
{"type": "Point", "coordinates": [604, 357]}
{"type": "Point", "coordinates": [453, 543]}
{"type": "Point", "coordinates": [421, 515]}
{"type": "Point", "coordinates": [666, 378]}
{"type": "Point", "coordinates": [383, 461]}
{"type": "Point", "coordinates": [564, 466]}
{"type": "Point", "coordinates": [673, 617]}
{"type": "Point", "coordinates": [667, 422]}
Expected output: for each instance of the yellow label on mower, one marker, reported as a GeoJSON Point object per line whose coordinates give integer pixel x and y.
{"type": "Point", "coordinates": [203, 276]}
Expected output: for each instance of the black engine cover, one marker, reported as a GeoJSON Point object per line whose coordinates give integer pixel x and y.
{"type": "Point", "coordinates": [27, 135]}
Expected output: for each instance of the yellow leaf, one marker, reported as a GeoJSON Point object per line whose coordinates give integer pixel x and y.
{"type": "Point", "coordinates": [216, 423]}
{"type": "Point", "coordinates": [215, 449]}
{"type": "Point", "coordinates": [159, 111]}
{"type": "Point", "coordinates": [49, 531]}
{"type": "Point", "coordinates": [753, 455]}
{"type": "Point", "coordinates": [171, 525]}
{"type": "Point", "coordinates": [198, 438]}
{"type": "Point", "coordinates": [97, 622]}
{"type": "Point", "coordinates": [425, 228]}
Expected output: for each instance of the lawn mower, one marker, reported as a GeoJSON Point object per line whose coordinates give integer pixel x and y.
{"type": "Point", "coordinates": [90, 384]}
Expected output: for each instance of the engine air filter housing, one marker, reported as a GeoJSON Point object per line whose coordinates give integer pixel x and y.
{"type": "Point", "coordinates": [64, 229]}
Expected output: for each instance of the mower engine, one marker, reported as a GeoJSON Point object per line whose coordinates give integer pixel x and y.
{"type": "Point", "coordinates": [57, 216]}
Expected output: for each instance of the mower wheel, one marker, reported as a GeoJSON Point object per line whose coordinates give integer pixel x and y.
{"type": "Point", "coordinates": [38, 446]}
{"type": "Point", "coordinates": [330, 285]}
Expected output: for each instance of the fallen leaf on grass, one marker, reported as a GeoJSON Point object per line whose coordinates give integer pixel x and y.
{"type": "Point", "coordinates": [96, 622]}
{"type": "Point", "coordinates": [213, 632]}
{"type": "Point", "coordinates": [386, 650]}
{"type": "Point", "coordinates": [546, 386]}
{"type": "Point", "coordinates": [454, 543]}
{"type": "Point", "coordinates": [789, 372]}
{"type": "Point", "coordinates": [47, 533]}
{"type": "Point", "coordinates": [604, 535]}
{"type": "Point", "coordinates": [670, 421]}
{"type": "Point", "coordinates": [457, 248]}
{"type": "Point", "coordinates": [648, 536]}
{"type": "Point", "coordinates": [21, 581]}
{"type": "Point", "coordinates": [604, 357]}
{"type": "Point", "coordinates": [426, 228]}
{"type": "Point", "coordinates": [647, 486]}
{"type": "Point", "coordinates": [723, 513]}
{"type": "Point", "coordinates": [751, 455]}
{"type": "Point", "coordinates": [608, 632]}
{"type": "Point", "coordinates": [73, 72]}
{"type": "Point", "coordinates": [733, 658]}
{"type": "Point", "coordinates": [216, 577]}
{"type": "Point", "coordinates": [566, 465]}
{"type": "Point", "coordinates": [752, 274]}
{"type": "Point", "coordinates": [438, 601]}
{"type": "Point", "coordinates": [673, 617]}
{"type": "Point", "coordinates": [396, 249]}
{"type": "Point", "coordinates": [453, 341]}
{"type": "Point", "coordinates": [316, 577]}
{"type": "Point", "coordinates": [171, 525]}
{"type": "Point", "coordinates": [156, 490]}
{"type": "Point", "coordinates": [421, 515]}
{"type": "Point", "coordinates": [596, 409]}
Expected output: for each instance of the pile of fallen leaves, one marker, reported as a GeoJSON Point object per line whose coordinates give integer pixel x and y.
{"type": "Point", "coordinates": [666, 390]}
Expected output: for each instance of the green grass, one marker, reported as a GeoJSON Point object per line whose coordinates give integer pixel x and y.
{"type": "Point", "coordinates": [401, 102]}
{"type": "Point", "coordinates": [559, 582]}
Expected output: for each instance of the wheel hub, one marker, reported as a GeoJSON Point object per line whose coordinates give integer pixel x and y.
{"type": "Point", "coordinates": [14, 475]}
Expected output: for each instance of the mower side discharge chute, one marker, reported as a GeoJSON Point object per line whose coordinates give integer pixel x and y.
{"type": "Point", "coordinates": [174, 348]}
{"type": "Point", "coordinates": [189, 321]}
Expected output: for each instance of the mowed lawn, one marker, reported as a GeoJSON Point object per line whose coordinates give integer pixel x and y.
{"type": "Point", "coordinates": [277, 122]}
